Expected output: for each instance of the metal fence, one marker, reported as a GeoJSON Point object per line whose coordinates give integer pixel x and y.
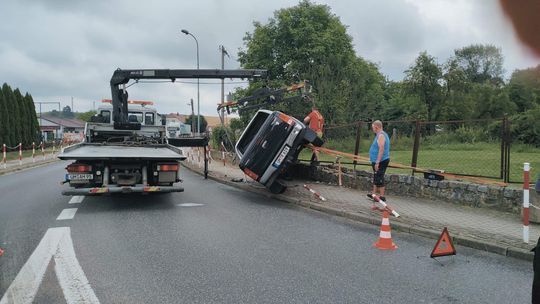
{"type": "Point", "coordinates": [478, 148]}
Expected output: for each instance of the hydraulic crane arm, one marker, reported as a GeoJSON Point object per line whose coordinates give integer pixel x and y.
{"type": "Point", "coordinates": [122, 77]}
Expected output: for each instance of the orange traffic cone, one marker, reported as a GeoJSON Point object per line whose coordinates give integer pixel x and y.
{"type": "Point", "coordinates": [385, 238]}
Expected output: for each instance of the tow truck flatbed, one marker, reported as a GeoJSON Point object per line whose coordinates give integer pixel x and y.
{"type": "Point", "coordinates": [111, 152]}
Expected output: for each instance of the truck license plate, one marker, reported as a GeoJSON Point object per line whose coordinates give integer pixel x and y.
{"type": "Point", "coordinates": [282, 156]}
{"type": "Point", "coordinates": [80, 176]}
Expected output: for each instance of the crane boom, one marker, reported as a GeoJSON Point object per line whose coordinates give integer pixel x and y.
{"type": "Point", "coordinates": [122, 77]}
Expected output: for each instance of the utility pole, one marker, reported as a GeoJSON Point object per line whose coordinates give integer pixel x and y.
{"type": "Point", "coordinates": [40, 119]}
{"type": "Point", "coordinates": [192, 117]}
{"type": "Point", "coordinates": [72, 105]}
{"type": "Point", "coordinates": [223, 53]}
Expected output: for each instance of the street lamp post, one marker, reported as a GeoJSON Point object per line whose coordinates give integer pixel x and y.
{"type": "Point", "coordinates": [198, 94]}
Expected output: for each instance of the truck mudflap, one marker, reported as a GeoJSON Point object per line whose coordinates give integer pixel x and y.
{"type": "Point", "coordinates": [122, 189]}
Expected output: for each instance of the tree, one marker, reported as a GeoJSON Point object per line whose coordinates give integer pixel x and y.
{"type": "Point", "coordinates": [481, 63]}
{"type": "Point", "coordinates": [491, 101]}
{"type": "Point", "coordinates": [308, 41]}
{"type": "Point", "coordinates": [524, 88]}
{"type": "Point", "coordinates": [423, 83]}
{"type": "Point", "coordinates": [193, 117]}
{"type": "Point", "coordinates": [66, 112]}
{"type": "Point", "coordinates": [12, 111]}
{"type": "Point", "coordinates": [4, 136]}
{"type": "Point", "coordinates": [86, 115]}
{"type": "Point", "coordinates": [34, 124]}
{"type": "Point", "coordinates": [22, 121]}
{"type": "Point", "coordinates": [526, 126]}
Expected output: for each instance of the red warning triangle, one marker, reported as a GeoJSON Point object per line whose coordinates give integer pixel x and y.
{"type": "Point", "coordinates": [444, 245]}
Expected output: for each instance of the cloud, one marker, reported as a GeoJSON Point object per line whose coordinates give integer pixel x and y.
{"type": "Point", "coordinates": [56, 49]}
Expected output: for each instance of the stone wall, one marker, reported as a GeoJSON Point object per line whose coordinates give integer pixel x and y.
{"type": "Point", "coordinates": [465, 193]}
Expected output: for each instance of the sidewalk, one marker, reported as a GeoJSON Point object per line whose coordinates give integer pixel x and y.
{"type": "Point", "coordinates": [482, 229]}
{"type": "Point", "coordinates": [13, 165]}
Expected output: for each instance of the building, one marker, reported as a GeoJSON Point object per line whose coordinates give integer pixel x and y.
{"type": "Point", "coordinates": [54, 128]}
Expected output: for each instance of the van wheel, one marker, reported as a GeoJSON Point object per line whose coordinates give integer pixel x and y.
{"type": "Point", "coordinates": [277, 188]}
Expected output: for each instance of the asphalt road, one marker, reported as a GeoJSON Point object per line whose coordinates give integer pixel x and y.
{"type": "Point", "coordinates": [217, 244]}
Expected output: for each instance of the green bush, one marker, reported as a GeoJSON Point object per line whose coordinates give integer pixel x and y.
{"type": "Point", "coordinates": [525, 127]}
{"type": "Point", "coordinates": [223, 134]}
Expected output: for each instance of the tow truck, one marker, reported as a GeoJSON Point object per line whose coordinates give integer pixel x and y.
{"type": "Point", "coordinates": [129, 152]}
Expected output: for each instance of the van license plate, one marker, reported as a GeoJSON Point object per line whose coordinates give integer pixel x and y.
{"type": "Point", "coordinates": [80, 176]}
{"type": "Point", "coordinates": [282, 156]}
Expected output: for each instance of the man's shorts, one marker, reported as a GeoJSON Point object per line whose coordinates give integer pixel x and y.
{"type": "Point", "coordinates": [319, 133]}
{"type": "Point", "coordinates": [378, 176]}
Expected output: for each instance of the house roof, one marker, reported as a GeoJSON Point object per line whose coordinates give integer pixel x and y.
{"type": "Point", "coordinates": [214, 121]}
{"type": "Point", "coordinates": [181, 117]}
{"type": "Point", "coordinates": [66, 122]}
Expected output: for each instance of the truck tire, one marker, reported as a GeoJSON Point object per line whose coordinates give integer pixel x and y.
{"type": "Point", "coordinates": [277, 188]}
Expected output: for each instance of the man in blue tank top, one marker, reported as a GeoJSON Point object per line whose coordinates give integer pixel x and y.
{"type": "Point", "coordinates": [379, 155]}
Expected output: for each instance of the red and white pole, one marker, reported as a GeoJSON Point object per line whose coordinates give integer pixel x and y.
{"type": "Point", "coordinates": [4, 155]}
{"type": "Point", "coordinates": [42, 150]}
{"type": "Point", "coordinates": [526, 169]}
{"type": "Point", "coordinates": [33, 152]}
{"type": "Point", "coordinates": [317, 194]}
{"type": "Point", "coordinates": [199, 156]}
{"type": "Point", "coordinates": [20, 154]}
{"type": "Point", "coordinates": [223, 154]}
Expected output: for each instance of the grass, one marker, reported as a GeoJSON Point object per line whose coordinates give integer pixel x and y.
{"type": "Point", "coordinates": [471, 159]}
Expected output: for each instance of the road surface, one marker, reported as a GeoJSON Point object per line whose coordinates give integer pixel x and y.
{"type": "Point", "coordinates": [216, 244]}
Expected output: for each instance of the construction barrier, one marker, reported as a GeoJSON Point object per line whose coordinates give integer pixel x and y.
{"type": "Point", "coordinates": [526, 170]}
{"type": "Point", "coordinates": [19, 148]}
{"type": "Point", "coordinates": [317, 194]}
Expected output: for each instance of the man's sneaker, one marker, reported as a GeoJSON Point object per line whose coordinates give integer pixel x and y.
{"type": "Point", "coordinates": [370, 196]}
{"type": "Point", "coordinates": [382, 198]}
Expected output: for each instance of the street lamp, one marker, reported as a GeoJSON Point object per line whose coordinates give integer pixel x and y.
{"type": "Point", "coordinates": [198, 95]}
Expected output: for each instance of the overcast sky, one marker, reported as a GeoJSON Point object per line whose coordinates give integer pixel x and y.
{"type": "Point", "coordinates": [58, 49]}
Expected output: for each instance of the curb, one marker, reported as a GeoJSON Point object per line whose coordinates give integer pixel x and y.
{"type": "Point", "coordinates": [501, 249]}
{"type": "Point", "coordinates": [28, 166]}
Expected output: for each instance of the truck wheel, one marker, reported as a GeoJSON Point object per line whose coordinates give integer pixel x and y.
{"type": "Point", "coordinates": [277, 188]}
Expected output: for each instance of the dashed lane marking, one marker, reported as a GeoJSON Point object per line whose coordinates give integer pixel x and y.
{"type": "Point", "coordinates": [57, 244]}
{"type": "Point", "coordinates": [77, 199]}
{"type": "Point", "coordinates": [189, 205]}
{"type": "Point", "coordinates": [67, 214]}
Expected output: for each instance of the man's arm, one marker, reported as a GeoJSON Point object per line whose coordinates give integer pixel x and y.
{"type": "Point", "coordinates": [307, 119]}
{"type": "Point", "coordinates": [380, 142]}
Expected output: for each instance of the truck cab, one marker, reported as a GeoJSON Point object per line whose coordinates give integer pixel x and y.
{"type": "Point", "coordinates": [269, 144]}
{"type": "Point", "coordinates": [138, 111]}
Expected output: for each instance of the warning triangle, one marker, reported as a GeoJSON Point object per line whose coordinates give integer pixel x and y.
{"type": "Point", "coordinates": [444, 245]}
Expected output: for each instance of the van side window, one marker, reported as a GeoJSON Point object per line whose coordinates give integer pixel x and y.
{"type": "Point", "coordinates": [149, 119]}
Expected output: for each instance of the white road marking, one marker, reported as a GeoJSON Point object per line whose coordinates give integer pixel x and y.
{"type": "Point", "coordinates": [189, 205]}
{"type": "Point", "coordinates": [56, 243]}
{"type": "Point", "coordinates": [77, 199]}
{"type": "Point", "coordinates": [67, 214]}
